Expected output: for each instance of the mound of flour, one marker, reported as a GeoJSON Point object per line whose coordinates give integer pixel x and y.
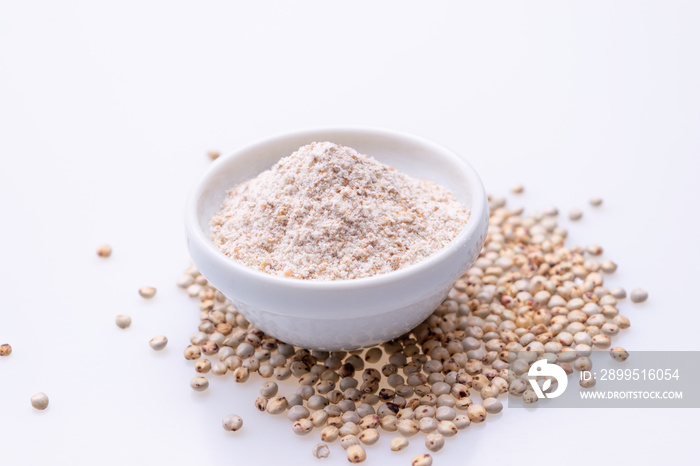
{"type": "Point", "coordinates": [327, 212]}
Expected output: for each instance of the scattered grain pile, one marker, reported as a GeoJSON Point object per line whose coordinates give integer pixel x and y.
{"type": "Point", "coordinates": [527, 291]}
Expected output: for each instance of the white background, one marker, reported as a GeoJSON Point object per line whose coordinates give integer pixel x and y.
{"type": "Point", "coordinates": [107, 110]}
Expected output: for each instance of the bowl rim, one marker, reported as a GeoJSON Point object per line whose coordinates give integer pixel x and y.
{"type": "Point", "coordinates": [477, 211]}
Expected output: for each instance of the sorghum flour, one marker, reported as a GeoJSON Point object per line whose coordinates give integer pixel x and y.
{"type": "Point", "coordinates": [327, 212]}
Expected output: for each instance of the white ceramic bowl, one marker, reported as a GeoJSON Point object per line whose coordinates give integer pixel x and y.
{"type": "Point", "coordinates": [340, 314]}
